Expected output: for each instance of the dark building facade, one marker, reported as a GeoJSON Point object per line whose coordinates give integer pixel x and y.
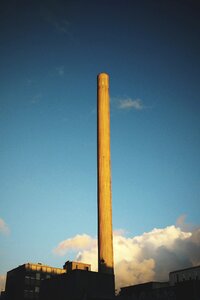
{"type": "Point", "coordinates": [148, 291]}
{"type": "Point", "coordinates": [78, 284]}
{"type": "Point", "coordinates": [188, 274]}
{"type": "Point", "coordinates": [186, 283]}
{"type": "Point", "coordinates": [183, 285]}
{"type": "Point", "coordinates": [24, 282]}
{"type": "Point", "coordinates": [74, 281]}
{"type": "Point", "coordinates": [3, 295]}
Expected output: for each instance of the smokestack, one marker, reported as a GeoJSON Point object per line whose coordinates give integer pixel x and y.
{"type": "Point", "coordinates": [105, 235]}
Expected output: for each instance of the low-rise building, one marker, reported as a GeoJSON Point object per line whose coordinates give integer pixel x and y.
{"type": "Point", "coordinates": [77, 285]}
{"type": "Point", "coordinates": [24, 281]}
{"type": "Point", "coordinates": [152, 290]}
{"type": "Point", "coordinates": [74, 265]}
{"type": "Point", "coordinates": [2, 295]}
{"type": "Point", "coordinates": [192, 273]}
{"type": "Point", "coordinates": [183, 284]}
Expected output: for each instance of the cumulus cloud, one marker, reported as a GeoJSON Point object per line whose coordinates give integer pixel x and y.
{"type": "Point", "coordinates": [129, 103]}
{"type": "Point", "coordinates": [150, 256]}
{"type": "Point", "coordinates": [79, 242]}
{"type": "Point", "coordinates": [181, 222]}
{"type": "Point", "coordinates": [2, 282]}
{"type": "Point", "coordinates": [4, 227]}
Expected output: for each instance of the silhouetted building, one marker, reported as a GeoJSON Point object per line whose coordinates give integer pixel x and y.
{"type": "Point", "coordinates": [192, 273]}
{"type": "Point", "coordinates": [3, 295]}
{"type": "Point", "coordinates": [38, 281]}
{"type": "Point", "coordinates": [24, 281]}
{"type": "Point", "coordinates": [187, 290]}
{"type": "Point", "coordinates": [186, 283]}
{"type": "Point", "coordinates": [74, 265]}
{"type": "Point", "coordinates": [148, 291]}
{"type": "Point", "coordinates": [78, 284]}
{"type": "Point", "coordinates": [183, 285]}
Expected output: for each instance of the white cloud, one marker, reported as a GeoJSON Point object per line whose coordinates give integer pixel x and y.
{"type": "Point", "coordinates": [79, 242]}
{"type": "Point", "coordinates": [150, 256]}
{"type": "Point", "coordinates": [129, 103]}
{"type": "Point", "coordinates": [180, 222]}
{"type": "Point", "coordinates": [2, 282]}
{"type": "Point", "coordinates": [129, 273]}
{"type": "Point", "coordinates": [4, 227]}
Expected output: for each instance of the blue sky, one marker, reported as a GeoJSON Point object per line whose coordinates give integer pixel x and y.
{"type": "Point", "coordinates": [51, 53]}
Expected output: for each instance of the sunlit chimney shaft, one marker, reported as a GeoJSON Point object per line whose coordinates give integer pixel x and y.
{"type": "Point", "coordinates": [105, 235]}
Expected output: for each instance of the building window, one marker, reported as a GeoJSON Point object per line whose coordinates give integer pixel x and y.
{"type": "Point", "coordinates": [31, 294]}
{"type": "Point", "coordinates": [32, 282]}
{"type": "Point", "coordinates": [37, 289]}
{"type": "Point", "coordinates": [37, 276]}
{"type": "Point", "coordinates": [27, 280]}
